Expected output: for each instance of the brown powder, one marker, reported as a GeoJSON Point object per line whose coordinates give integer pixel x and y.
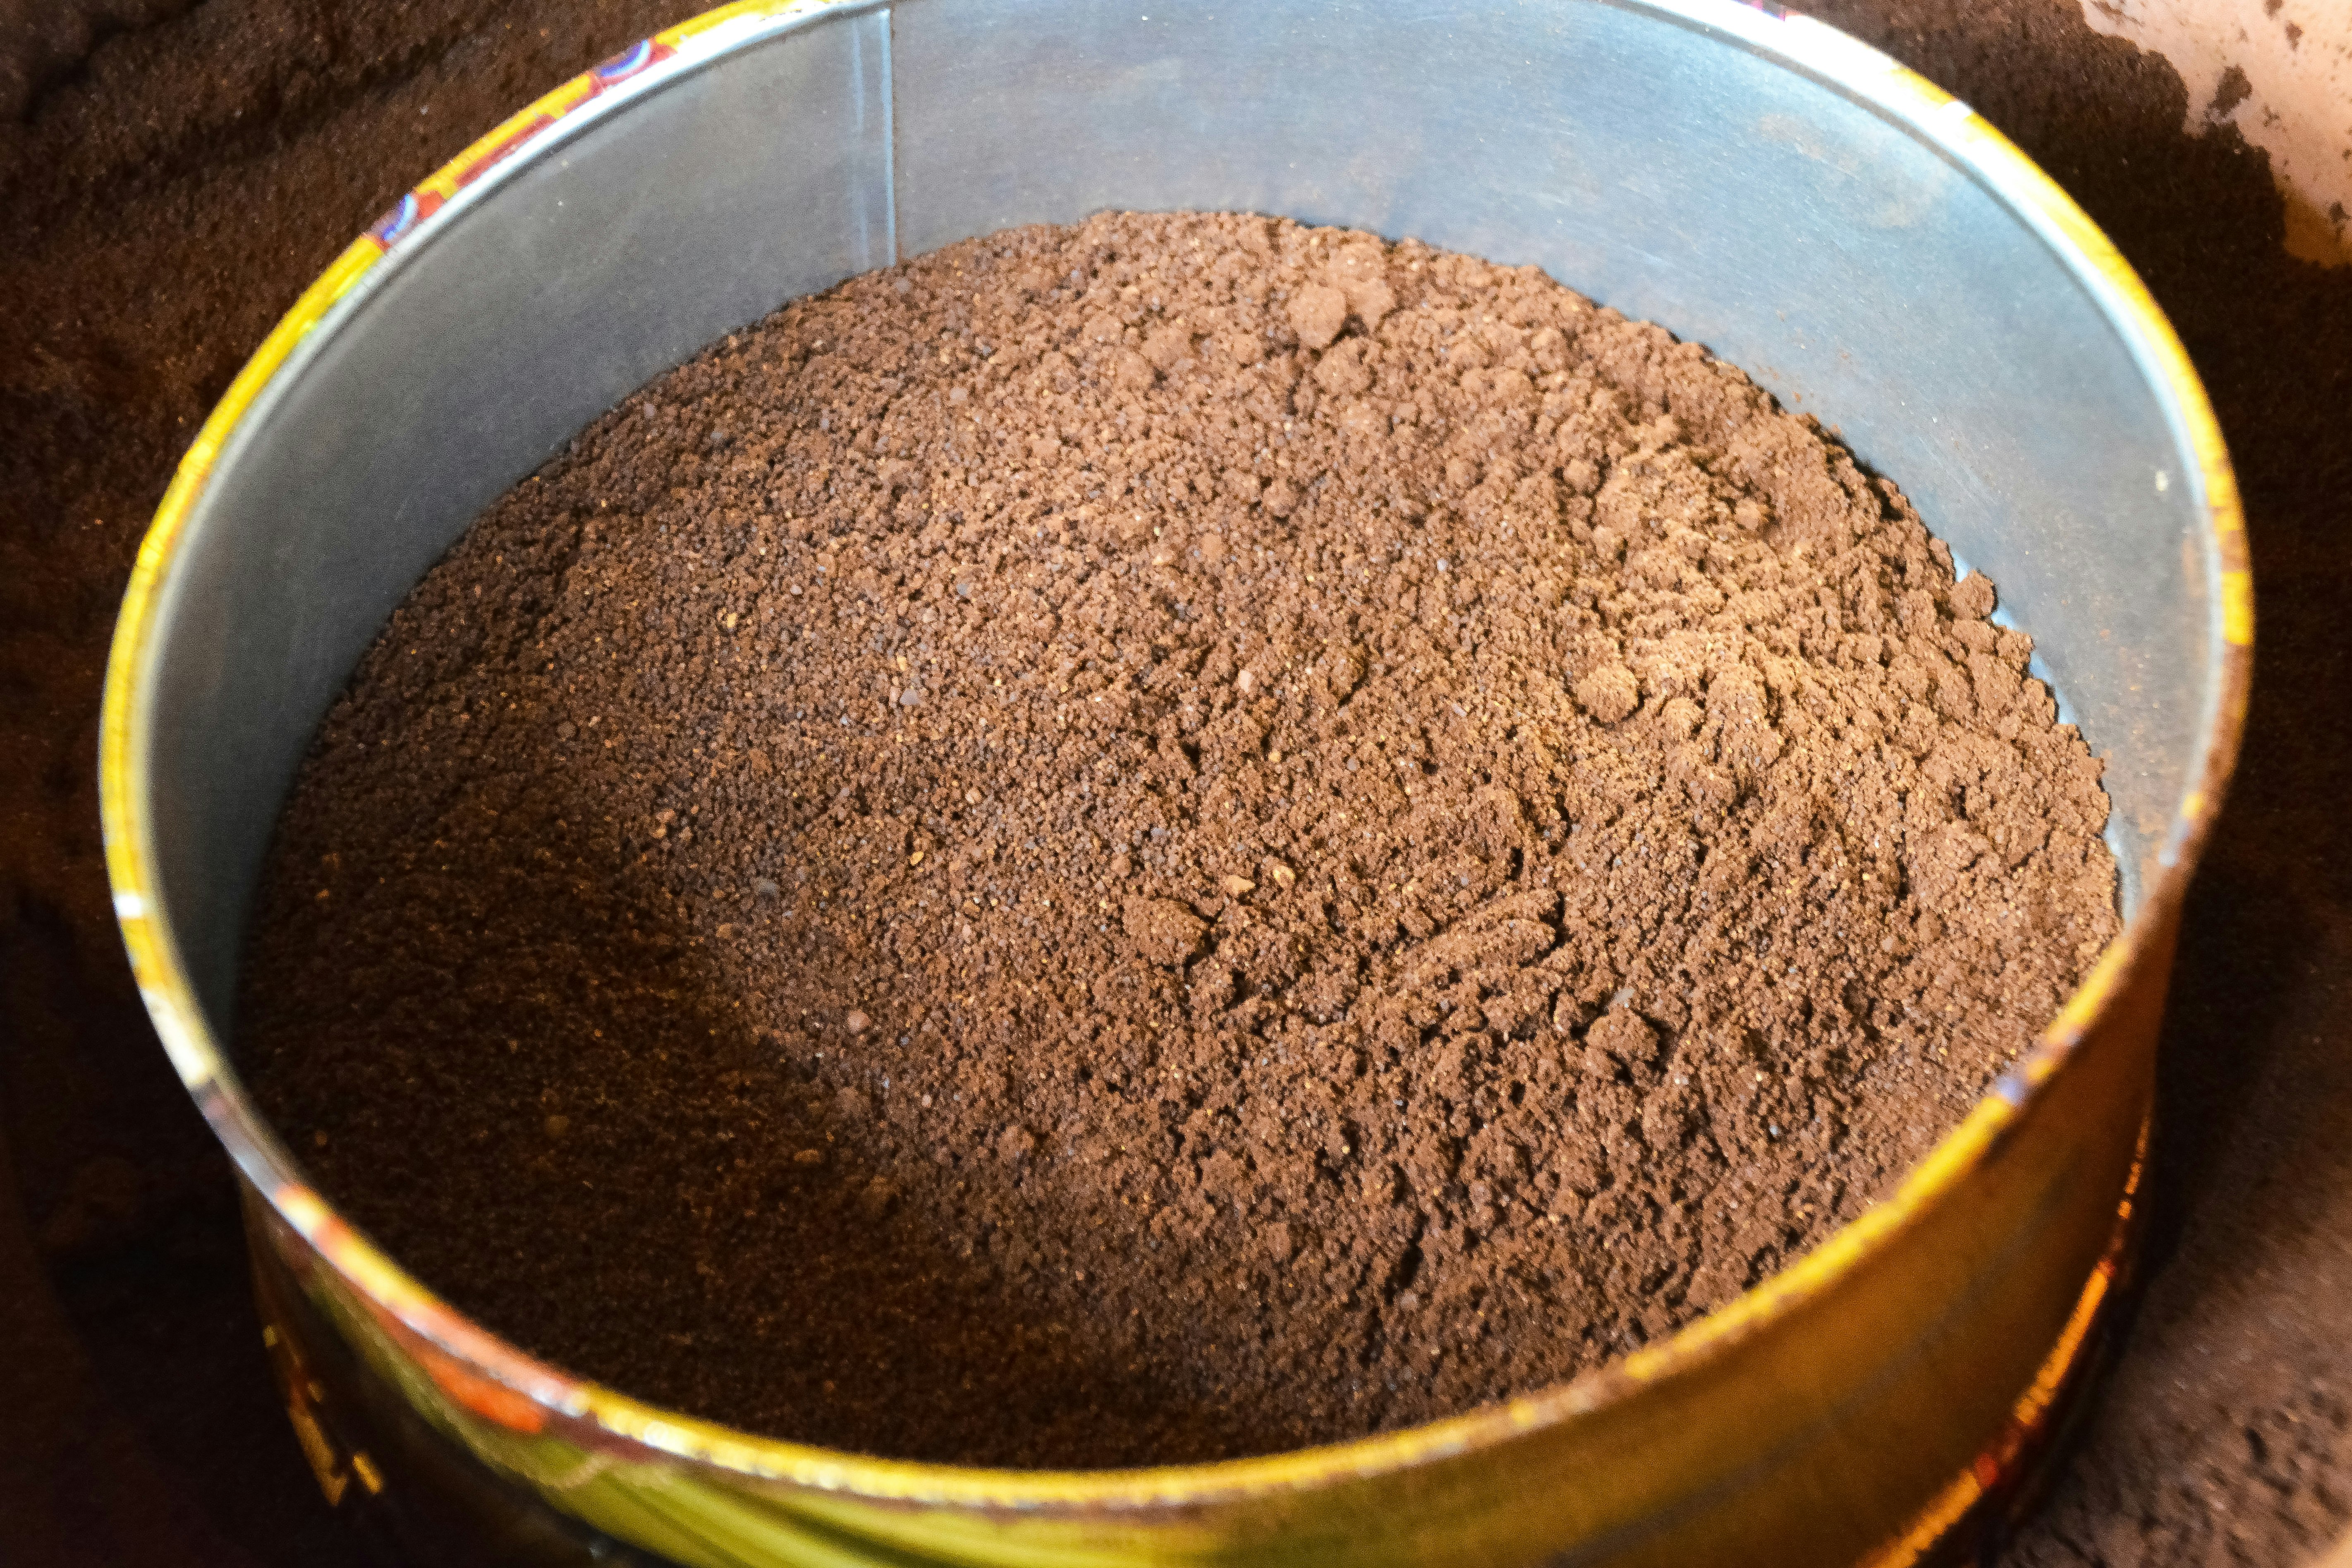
{"type": "Point", "coordinates": [1159, 841]}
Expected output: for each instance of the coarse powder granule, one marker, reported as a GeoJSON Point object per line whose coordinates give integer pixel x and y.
{"type": "Point", "coordinates": [1156, 841]}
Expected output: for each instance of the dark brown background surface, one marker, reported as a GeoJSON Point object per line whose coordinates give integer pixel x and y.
{"type": "Point", "coordinates": [171, 175]}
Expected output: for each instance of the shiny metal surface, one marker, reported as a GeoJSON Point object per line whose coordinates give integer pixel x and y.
{"type": "Point", "coordinates": [1867, 248]}
{"type": "Point", "coordinates": [1664, 168]}
{"type": "Point", "coordinates": [454, 373]}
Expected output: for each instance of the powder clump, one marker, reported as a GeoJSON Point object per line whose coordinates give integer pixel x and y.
{"type": "Point", "coordinates": [1162, 840]}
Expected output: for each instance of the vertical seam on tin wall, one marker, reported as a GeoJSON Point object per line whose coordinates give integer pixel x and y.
{"type": "Point", "coordinates": [891, 128]}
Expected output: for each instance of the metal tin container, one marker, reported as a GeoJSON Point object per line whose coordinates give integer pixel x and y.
{"type": "Point", "coordinates": [1862, 244]}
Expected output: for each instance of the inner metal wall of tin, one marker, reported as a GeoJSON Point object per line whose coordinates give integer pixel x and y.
{"type": "Point", "coordinates": [467, 358]}
{"type": "Point", "coordinates": [1658, 166]}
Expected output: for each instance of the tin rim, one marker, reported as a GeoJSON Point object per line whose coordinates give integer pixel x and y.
{"type": "Point", "coordinates": [496, 1379]}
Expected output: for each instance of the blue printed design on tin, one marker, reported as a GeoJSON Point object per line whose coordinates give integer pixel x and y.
{"type": "Point", "coordinates": [625, 64]}
{"type": "Point", "coordinates": [397, 222]}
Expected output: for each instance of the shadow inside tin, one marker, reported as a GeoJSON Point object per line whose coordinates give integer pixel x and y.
{"type": "Point", "coordinates": [571, 1103]}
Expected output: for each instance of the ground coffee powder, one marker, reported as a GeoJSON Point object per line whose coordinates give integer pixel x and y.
{"type": "Point", "coordinates": [1159, 841]}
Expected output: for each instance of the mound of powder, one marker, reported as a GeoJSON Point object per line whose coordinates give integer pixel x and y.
{"type": "Point", "coordinates": [1159, 841]}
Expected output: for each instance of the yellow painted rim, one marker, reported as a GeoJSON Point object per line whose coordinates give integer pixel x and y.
{"type": "Point", "coordinates": [491, 1367]}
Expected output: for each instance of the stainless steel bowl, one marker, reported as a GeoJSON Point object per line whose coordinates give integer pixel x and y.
{"type": "Point", "coordinates": [1865, 247]}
